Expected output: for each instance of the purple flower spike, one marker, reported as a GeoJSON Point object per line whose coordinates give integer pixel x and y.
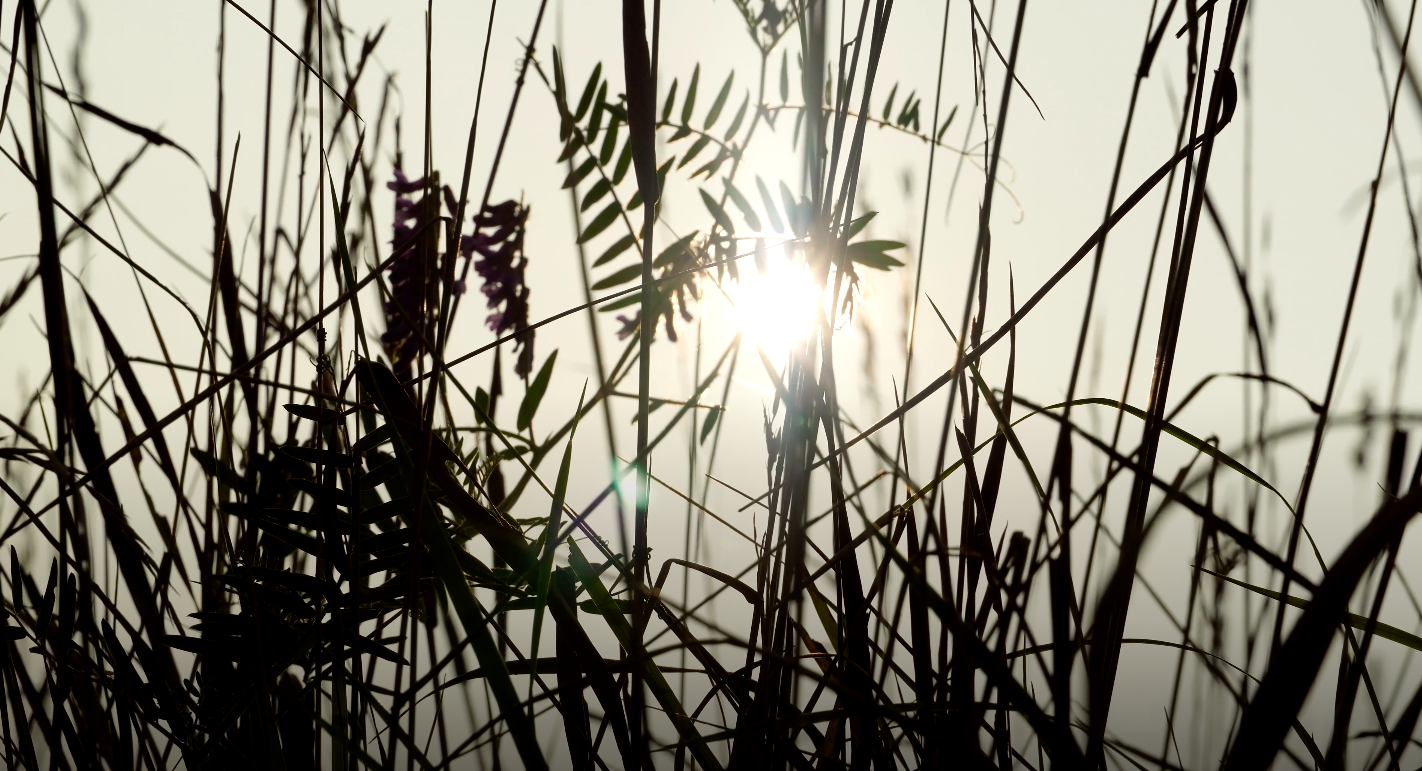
{"type": "Point", "coordinates": [500, 262]}
{"type": "Point", "coordinates": [410, 310]}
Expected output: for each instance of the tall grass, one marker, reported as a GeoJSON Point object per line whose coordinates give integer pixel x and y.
{"type": "Point", "coordinates": [329, 546]}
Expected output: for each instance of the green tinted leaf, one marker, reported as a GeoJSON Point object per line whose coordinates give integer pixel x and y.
{"type": "Point", "coordinates": [690, 103]}
{"type": "Point", "coordinates": [871, 254]}
{"type": "Point", "coordinates": [508, 454]}
{"type": "Point", "coordinates": [623, 244]}
{"type": "Point", "coordinates": [1385, 631]}
{"type": "Point", "coordinates": [373, 439]}
{"type": "Point", "coordinates": [619, 606]}
{"type": "Point", "coordinates": [560, 95]}
{"type": "Point", "coordinates": [709, 423]}
{"type": "Point", "coordinates": [662, 173]}
{"type": "Point", "coordinates": [859, 223]}
{"type": "Point", "coordinates": [941, 129]}
{"type": "Point", "coordinates": [624, 161]}
{"type": "Point", "coordinates": [599, 189]}
{"type": "Point", "coordinates": [670, 100]}
{"type": "Point", "coordinates": [740, 116]}
{"type": "Point", "coordinates": [626, 302]}
{"type": "Point", "coordinates": [534, 395]}
{"type": "Point", "coordinates": [741, 203]}
{"type": "Point", "coordinates": [695, 150]}
{"type": "Point", "coordinates": [560, 87]}
{"type": "Point", "coordinates": [577, 175]}
{"type": "Point", "coordinates": [555, 513]}
{"type": "Point", "coordinates": [572, 147]}
{"type": "Point", "coordinates": [609, 142]}
{"type": "Point", "coordinates": [1195, 442]}
{"type": "Point", "coordinates": [909, 115]}
{"type": "Point", "coordinates": [715, 111]}
{"type": "Point", "coordinates": [673, 249]}
{"type": "Point", "coordinates": [595, 120]}
{"type": "Point", "coordinates": [718, 213]}
{"type": "Point", "coordinates": [793, 211]}
{"type": "Point", "coordinates": [629, 273]}
{"type": "Point", "coordinates": [481, 404]}
{"type": "Point", "coordinates": [311, 412]}
{"type": "Point", "coordinates": [600, 222]}
{"type": "Point", "coordinates": [588, 92]}
{"type": "Point", "coordinates": [889, 105]}
{"type": "Point", "coordinates": [713, 165]}
{"type": "Point", "coordinates": [769, 201]}
{"type": "Point", "coordinates": [784, 77]}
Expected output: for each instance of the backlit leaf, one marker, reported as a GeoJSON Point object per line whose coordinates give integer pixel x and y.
{"type": "Point", "coordinates": [784, 76]}
{"type": "Point", "coordinates": [889, 105]}
{"type": "Point", "coordinates": [629, 273]}
{"type": "Point", "coordinates": [534, 396]}
{"type": "Point", "coordinates": [747, 210]}
{"type": "Point", "coordinates": [769, 201]}
{"type": "Point", "coordinates": [871, 254]}
{"type": "Point", "coordinates": [670, 100]}
{"type": "Point", "coordinates": [696, 148]}
{"type": "Point", "coordinates": [718, 213]}
{"type": "Point", "coordinates": [591, 88]}
{"type": "Point", "coordinates": [624, 162]}
{"type": "Point", "coordinates": [577, 175]}
{"type": "Point", "coordinates": [740, 116]}
{"type": "Point", "coordinates": [623, 244]}
{"type": "Point", "coordinates": [709, 424]}
{"type": "Point", "coordinates": [600, 222]}
{"type": "Point", "coordinates": [690, 103]}
{"type": "Point", "coordinates": [595, 193]}
{"type": "Point", "coordinates": [715, 111]}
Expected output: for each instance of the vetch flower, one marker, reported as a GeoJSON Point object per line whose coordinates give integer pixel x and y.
{"type": "Point", "coordinates": [410, 311]}
{"type": "Point", "coordinates": [498, 239]}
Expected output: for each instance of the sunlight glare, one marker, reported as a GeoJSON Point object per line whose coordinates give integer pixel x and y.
{"type": "Point", "coordinates": [776, 304]}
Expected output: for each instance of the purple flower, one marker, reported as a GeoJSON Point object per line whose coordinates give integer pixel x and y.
{"type": "Point", "coordinates": [498, 239]}
{"type": "Point", "coordinates": [409, 312]}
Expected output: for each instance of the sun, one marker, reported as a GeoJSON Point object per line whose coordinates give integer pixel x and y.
{"type": "Point", "coordinates": [777, 303]}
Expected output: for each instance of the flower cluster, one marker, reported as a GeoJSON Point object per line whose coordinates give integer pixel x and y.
{"type": "Point", "coordinates": [410, 310]}
{"type": "Point", "coordinates": [498, 240]}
